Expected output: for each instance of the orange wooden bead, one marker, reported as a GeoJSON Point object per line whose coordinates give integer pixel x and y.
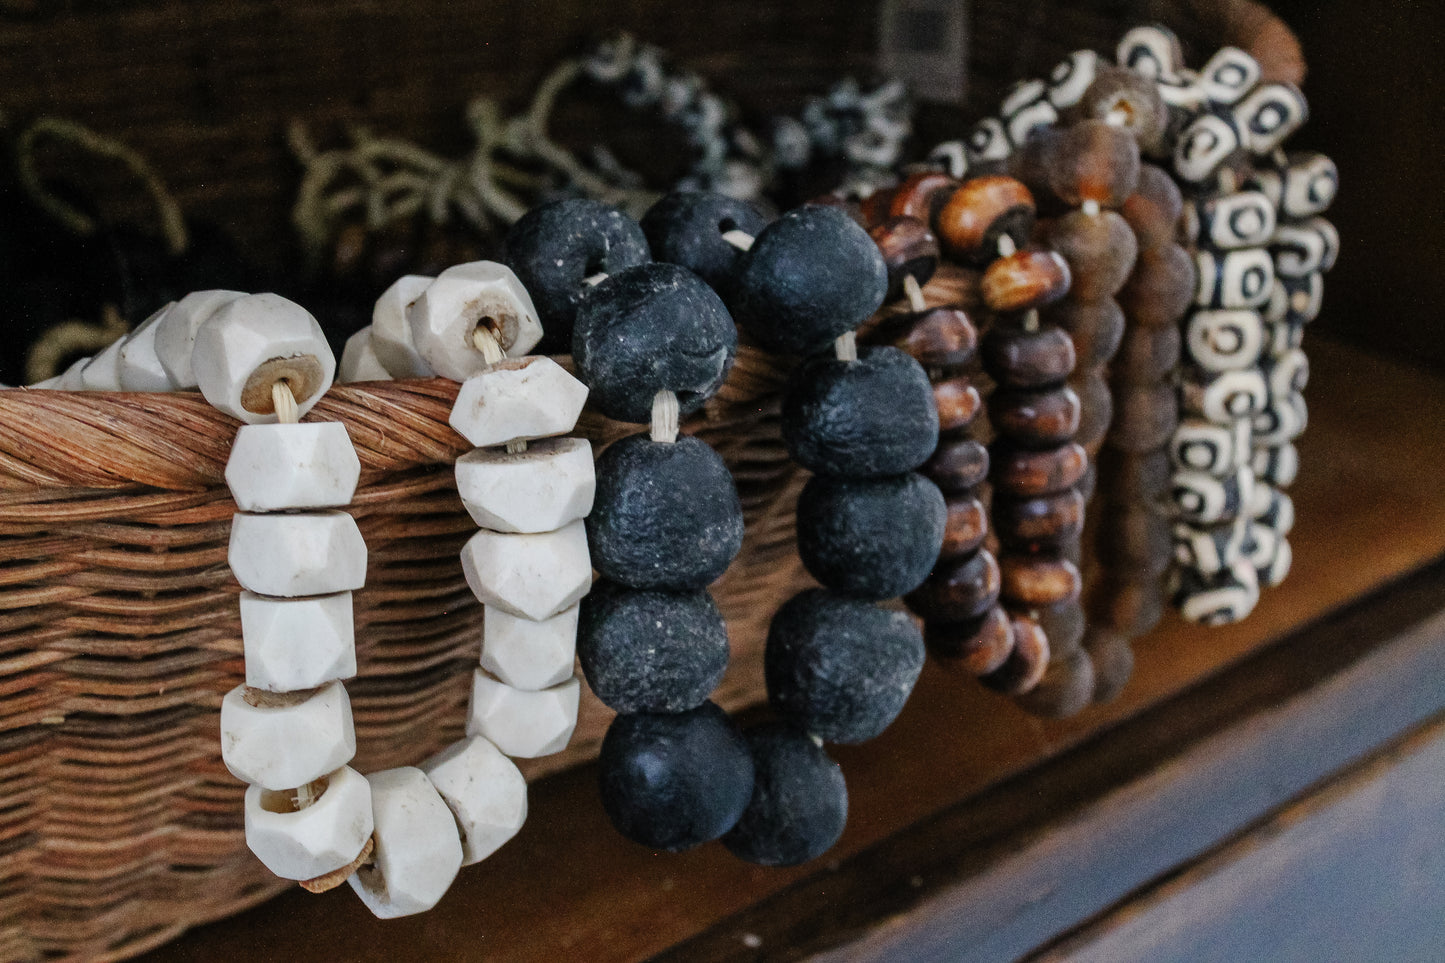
{"type": "Point", "coordinates": [922, 195]}
{"type": "Point", "coordinates": [978, 647]}
{"type": "Point", "coordinates": [1025, 280]}
{"type": "Point", "coordinates": [1037, 581]}
{"type": "Point", "coordinates": [981, 212]}
{"type": "Point", "coordinates": [1026, 664]}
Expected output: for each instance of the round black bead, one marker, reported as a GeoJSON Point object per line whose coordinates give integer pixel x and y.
{"type": "Point", "coordinates": [860, 419]}
{"type": "Point", "coordinates": [799, 804]}
{"type": "Point", "coordinates": [677, 780]}
{"type": "Point", "coordinates": [666, 516]}
{"type": "Point", "coordinates": [687, 228]}
{"type": "Point", "coordinates": [810, 276]}
{"type": "Point", "coordinates": [872, 539]}
{"type": "Point", "coordinates": [840, 668]}
{"type": "Point", "coordinates": [651, 328]}
{"type": "Point", "coordinates": [648, 651]}
{"type": "Point", "coordinates": [554, 248]}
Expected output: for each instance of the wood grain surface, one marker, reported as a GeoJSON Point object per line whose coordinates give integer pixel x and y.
{"type": "Point", "coordinates": [1371, 506]}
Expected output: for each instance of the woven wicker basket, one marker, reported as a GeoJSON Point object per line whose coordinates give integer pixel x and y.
{"type": "Point", "coordinates": [119, 630]}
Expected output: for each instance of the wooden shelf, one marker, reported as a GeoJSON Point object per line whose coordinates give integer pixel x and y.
{"type": "Point", "coordinates": [976, 824]}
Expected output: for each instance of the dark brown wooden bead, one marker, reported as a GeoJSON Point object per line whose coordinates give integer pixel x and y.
{"type": "Point", "coordinates": [1094, 161]}
{"type": "Point", "coordinates": [978, 646]}
{"type": "Point", "coordinates": [1033, 523]}
{"type": "Point", "coordinates": [1036, 581]}
{"type": "Point", "coordinates": [1134, 541]}
{"type": "Point", "coordinates": [1066, 689]}
{"type": "Point", "coordinates": [1026, 664]}
{"type": "Point", "coordinates": [1064, 625]}
{"type": "Point", "coordinates": [922, 195]}
{"type": "Point", "coordinates": [1096, 410]}
{"type": "Point", "coordinates": [1089, 482]}
{"type": "Point", "coordinates": [1129, 607]}
{"type": "Point", "coordinates": [958, 590]}
{"type": "Point", "coordinates": [966, 528]}
{"type": "Point", "coordinates": [1113, 660]}
{"type": "Point", "coordinates": [1139, 479]}
{"type": "Point", "coordinates": [1095, 327]}
{"type": "Point", "coordinates": [875, 207]}
{"type": "Point", "coordinates": [982, 211]}
{"type": "Point", "coordinates": [1016, 358]}
{"type": "Point", "coordinates": [1027, 473]}
{"type": "Point", "coordinates": [1035, 419]}
{"type": "Point", "coordinates": [958, 466]}
{"type": "Point", "coordinates": [1025, 280]}
{"type": "Point", "coordinates": [958, 404]}
{"type": "Point", "coordinates": [936, 338]}
{"type": "Point", "coordinates": [909, 249]}
{"type": "Point", "coordinates": [1154, 209]}
{"type": "Point", "coordinates": [1161, 288]}
{"type": "Point", "coordinates": [1147, 356]}
{"type": "Point", "coordinates": [1144, 418]}
{"type": "Point", "coordinates": [1100, 250]}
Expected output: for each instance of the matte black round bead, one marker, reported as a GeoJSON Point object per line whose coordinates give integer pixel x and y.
{"type": "Point", "coordinates": [799, 804]}
{"type": "Point", "coordinates": [554, 248]}
{"type": "Point", "coordinates": [650, 651]}
{"type": "Point", "coordinates": [872, 539]}
{"type": "Point", "coordinates": [860, 419]}
{"type": "Point", "coordinates": [840, 668]}
{"type": "Point", "coordinates": [687, 228]}
{"type": "Point", "coordinates": [811, 276]}
{"type": "Point", "coordinates": [666, 516]}
{"type": "Point", "coordinates": [655, 327]}
{"type": "Point", "coordinates": [674, 781]}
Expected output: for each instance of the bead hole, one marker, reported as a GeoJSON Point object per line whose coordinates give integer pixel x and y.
{"type": "Point", "coordinates": [726, 224]}
{"type": "Point", "coordinates": [284, 801]}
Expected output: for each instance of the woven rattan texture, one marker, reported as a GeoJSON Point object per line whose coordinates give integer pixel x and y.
{"type": "Point", "coordinates": [119, 631]}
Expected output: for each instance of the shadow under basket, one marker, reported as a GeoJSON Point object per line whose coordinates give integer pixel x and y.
{"type": "Point", "coordinates": [120, 632]}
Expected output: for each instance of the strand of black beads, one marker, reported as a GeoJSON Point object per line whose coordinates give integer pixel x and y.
{"type": "Point", "coordinates": [837, 667]}
{"type": "Point", "coordinates": [965, 628]}
{"type": "Point", "coordinates": [1133, 541]}
{"type": "Point", "coordinates": [653, 343]}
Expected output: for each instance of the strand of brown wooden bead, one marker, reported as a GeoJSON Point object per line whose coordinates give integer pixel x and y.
{"type": "Point", "coordinates": [964, 625]}
{"type": "Point", "coordinates": [1133, 543]}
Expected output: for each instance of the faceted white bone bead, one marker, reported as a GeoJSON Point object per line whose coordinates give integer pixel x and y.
{"type": "Point", "coordinates": [277, 467]}
{"type": "Point", "coordinates": [521, 723]}
{"type": "Point", "coordinates": [285, 746]}
{"type": "Point", "coordinates": [417, 852]}
{"type": "Point", "coordinates": [538, 490]}
{"type": "Point", "coordinates": [524, 399]}
{"type": "Point", "coordinates": [247, 333]}
{"type": "Point", "coordinates": [176, 332]}
{"type": "Point", "coordinates": [526, 654]}
{"type": "Point", "coordinates": [102, 373]}
{"type": "Point", "coordinates": [532, 576]}
{"type": "Point", "coordinates": [391, 331]}
{"type": "Point", "coordinates": [69, 379]}
{"type": "Point", "coordinates": [305, 843]}
{"type": "Point", "coordinates": [485, 792]}
{"type": "Point", "coordinates": [359, 361]}
{"type": "Point", "coordinates": [140, 366]}
{"type": "Point", "coordinates": [312, 553]}
{"type": "Point", "coordinates": [296, 644]}
{"type": "Point", "coordinates": [462, 298]}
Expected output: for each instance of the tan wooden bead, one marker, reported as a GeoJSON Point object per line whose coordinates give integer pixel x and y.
{"type": "Point", "coordinates": [418, 851]}
{"type": "Point", "coordinates": [1039, 581]}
